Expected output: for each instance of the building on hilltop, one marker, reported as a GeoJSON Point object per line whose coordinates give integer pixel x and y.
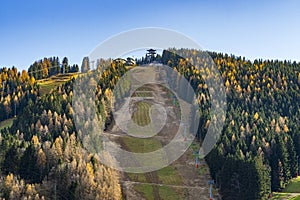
{"type": "Point", "coordinates": [150, 56]}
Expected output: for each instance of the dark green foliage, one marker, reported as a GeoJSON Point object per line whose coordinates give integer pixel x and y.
{"type": "Point", "coordinates": [16, 90]}
{"type": "Point", "coordinates": [29, 169]}
{"type": "Point", "coordinates": [50, 66]}
{"type": "Point", "coordinates": [11, 160]}
{"type": "Point", "coordinates": [261, 131]}
{"type": "Point", "coordinates": [256, 153]}
{"type": "Point", "coordinates": [85, 66]}
{"type": "Point", "coordinates": [42, 145]}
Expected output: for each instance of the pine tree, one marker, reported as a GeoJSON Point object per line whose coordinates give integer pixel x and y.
{"type": "Point", "coordinates": [85, 65]}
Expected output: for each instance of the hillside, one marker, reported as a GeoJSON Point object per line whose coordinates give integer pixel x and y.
{"type": "Point", "coordinates": [47, 84]}
{"type": "Point", "coordinates": [42, 153]}
{"type": "Point", "coordinates": [260, 138]}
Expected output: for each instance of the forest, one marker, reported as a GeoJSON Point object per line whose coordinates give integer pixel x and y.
{"type": "Point", "coordinates": [260, 142]}
{"type": "Point", "coordinates": [42, 156]}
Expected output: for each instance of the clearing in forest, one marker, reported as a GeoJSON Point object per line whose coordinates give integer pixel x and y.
{"type": "Point", "coordinates": [181, 179]}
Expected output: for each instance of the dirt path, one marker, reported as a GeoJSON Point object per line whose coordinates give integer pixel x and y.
{"type": "Point", "coordinates": [191, 183]}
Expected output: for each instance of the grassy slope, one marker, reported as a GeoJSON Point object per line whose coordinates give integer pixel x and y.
{"type": "Point", "coordinates": [141, 116]}
{"type": "Point", "coordinates": [141, 145]}
{"type": "Point", "coordinates": [167, 175]}
{"type": "Point", "coordinates": [293, 186]}
{"type": "Point", "coordinates": [146, 190]}
{"type": "Point", "coordinates": [6, 123]}
{"type": "Point", "coordinates": [171, 193]}
{"type": "Point", "coordinates": [46, 85]}
{"type": "Point", "coordinates": [288, 192]}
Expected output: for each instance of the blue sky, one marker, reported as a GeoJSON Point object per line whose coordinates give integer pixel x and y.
{"type": "Point", "coordinates": [34, 29]}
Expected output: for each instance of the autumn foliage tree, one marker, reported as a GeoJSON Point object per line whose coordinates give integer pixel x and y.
{"type": "Point", "coordinates": [261, 128]}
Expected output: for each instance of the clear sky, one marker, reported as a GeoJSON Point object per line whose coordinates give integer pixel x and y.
{"type": "Point", "coordinates": [34, 29]}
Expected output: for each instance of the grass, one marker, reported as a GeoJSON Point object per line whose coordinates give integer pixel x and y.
{"type": "Point", "coordinates": [169, 176]}
{"type": "Point", "coordinates": [170, 193]}
{"type": "Point", "coordinates": [145, 190]}
{"type": "Point", "coordinates": [293, 186]}
{"type": "Point", "coordinates": [165, 192]}
{"type": "Point", "coordinates": [144, 88]}
{"type": "Point", "coordinates": [142, 94]}
{"type": "Point", "coordinates": [280, 196]}
{"type": "Point", "coordinates": [140, 145]}
{"type": "Point", "coordinates": [142, 115]}
{"type": "Point", "coordinates": [46, 85]}
{"type": "Point", "coordinates": [137, 177]}
{"type": "Point", "coordinates": [6, 123]}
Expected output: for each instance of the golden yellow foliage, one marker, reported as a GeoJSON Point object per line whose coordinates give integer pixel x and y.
{"type": "Point", "coordinates": [35, 140]}
{"type": "Point", "coordinates": [9, 180]}
{"type": "Point", "coordinates": [242, 129]}
{"type": "Point", "coordinates": [227, 84]}
{"type": "Point", "coordinates": [277, 128]}
{"type": "Point", "coordinates": [285, 128]}
{"type": "Point", "coordinates": [256, 116]}
{"type": "Point", "coordinates": [41, 157]}
{"type": "Point", "coordinates": [89, 168]}
{"type": "Point", "coordinates": [32, 80]}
